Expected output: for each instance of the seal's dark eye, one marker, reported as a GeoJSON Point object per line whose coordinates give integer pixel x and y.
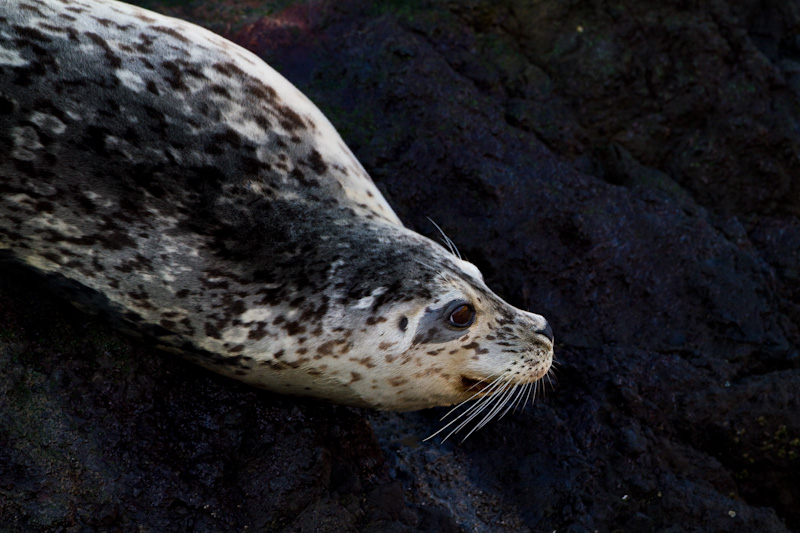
{"type": "Point", "coordinates": [462, 316]}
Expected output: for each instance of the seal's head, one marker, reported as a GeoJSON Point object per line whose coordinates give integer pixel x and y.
{"type": "Point", "coordinates": [455, 341]}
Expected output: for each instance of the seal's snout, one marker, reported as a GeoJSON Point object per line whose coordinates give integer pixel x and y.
{"type": "Point", "coordinates": [547, 331]}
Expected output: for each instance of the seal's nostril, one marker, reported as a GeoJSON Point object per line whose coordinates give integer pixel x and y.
{"type": "Point", "coordinates": [547, 331]}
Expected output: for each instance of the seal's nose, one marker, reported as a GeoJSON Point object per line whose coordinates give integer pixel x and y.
{"type": "Point", "coordinates": [547, 331]}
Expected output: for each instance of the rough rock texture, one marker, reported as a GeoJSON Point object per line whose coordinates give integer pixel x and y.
{"type": "Point", "coordinates": [629, 171]}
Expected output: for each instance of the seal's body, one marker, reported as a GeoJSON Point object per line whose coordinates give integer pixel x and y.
{"type": "Point", "coordinates": [172, 180]}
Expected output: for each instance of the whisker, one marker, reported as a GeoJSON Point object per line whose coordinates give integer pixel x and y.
{"type": "Point", "coordinates": [468, 399]}
{"type": "Point", "coordinates": [517, 392]}
{"type": "Point", "coordinates": [522, 390]}
{"type": "Point", "coordinates": [494, 401]}
{"type": "Point", "coordinates": [501, 401]}
{"type": "Point", "coordinates": [471, 411]}
{"type": "Point", "coordinates": [447, 241]}
{"type": "Point", "coordinates": [551, 379]}
{"type": "Point", "coordinates": [520, 393]}
{"type": "Point", "coordinates": [486, 403]}
{"type": "Point", "coordinates": [426, 265]}
{"type": "Point", "coordinates": [464, 423]}
{"type": "Point", "coordinates": [499, 404]}
{"type": "Point", "coordinates": [531, 387]}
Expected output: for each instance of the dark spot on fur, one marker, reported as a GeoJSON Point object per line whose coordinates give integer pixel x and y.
{"type": "Point", "coordinates": [477, 347]}
{"type": "Point", "coordinates": [131, 136]}
{"type": "Point", "coordinates": [263, 122]}
{"type": "Point", "coordinates": [294, 328]}
{"type": "Point", "coordinates": [220, 90]}
{"type": "Point", "coordinates": [316, 162]}
{"type": "Point", "coordinates": [116, 240]}
{"type": "Point", "coordinates": [111, 57]}
{"type": "Point", "coordinates": [297, 174]}
{"type": "Point", "coordinates": [171, 32]}
{"type": "Point", "coordinates": [95, 139]}
{"type": "Point", "coordinates": [43, 206]}
{"type": "Point", "coordinates": [365, 361]}
{"type": "Point", "coordinates": [218, 142]}
{"type": "Point", "coordinates": [32, 33]}
{"type": "Point", "coordinates": [175, 76]}
{"type": "Point", "coordinates": [237, 307]}
{"type": "Point", "coordinates": [257, 334]}
{"type": "Point", "coordinates": [50, 256]}
{"type": "Point", "coordinates": [228, 69]}
{"type": "Point", "coordinates": [145, 18]}
{"type": "Point", "coordinates": [151, 86]}
{"type": "Point", "coordinates": [6, 106]}
{"type": "Point", "coordinates": [212, 331]}
{"type": "Point", "coordinates": [263, 92]}
{"type": "Point", "coordinates": [34, 9]}
{"type": "Point", "coordinates": [145, 47]}
{"type": "Point", "coordinates": [291, 121]}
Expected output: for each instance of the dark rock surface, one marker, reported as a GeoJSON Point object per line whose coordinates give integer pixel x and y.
{"type": "Point", "coordinates": [629, 171]}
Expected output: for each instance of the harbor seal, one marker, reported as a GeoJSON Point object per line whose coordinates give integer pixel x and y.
{"type": "Point", "coordinates": [171, 180]}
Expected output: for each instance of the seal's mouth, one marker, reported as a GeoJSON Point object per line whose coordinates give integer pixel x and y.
{"type": "Point", "coordinates": [474, 386]}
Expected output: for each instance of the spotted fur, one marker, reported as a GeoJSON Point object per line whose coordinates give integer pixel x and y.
{"type": "Point", "coordinates": [170, 179]}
